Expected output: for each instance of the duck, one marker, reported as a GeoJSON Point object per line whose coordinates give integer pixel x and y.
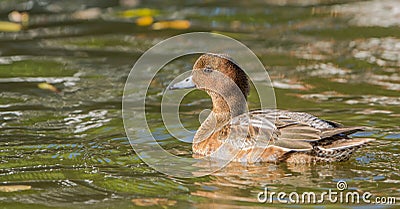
{"type": "Point", "coordinates": [231, 132]}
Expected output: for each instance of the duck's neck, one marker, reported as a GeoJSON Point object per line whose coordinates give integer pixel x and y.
{"type": "Point", "coordinates": [229, 106]}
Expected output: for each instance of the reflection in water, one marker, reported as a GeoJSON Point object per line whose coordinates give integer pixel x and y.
{"type": "Point", "coordinates": [69, 149]}
{"type": "Point", "coordinates": [237, 183]}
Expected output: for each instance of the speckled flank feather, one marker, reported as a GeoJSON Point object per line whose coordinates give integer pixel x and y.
{"type": "Point", "coordinates": [333, 154]}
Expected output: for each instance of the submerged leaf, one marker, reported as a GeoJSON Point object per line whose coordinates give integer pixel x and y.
{"type": "Point", "coordinates": [47, 86]}
{"type": "Point", "coordinates": [153, 201]}
{"type": "Point", "coordinates": [19, 17]}
{"type": "Point", "coordinates": [14, 188]}
{"type": "Point", "coordinates": [87, 14]}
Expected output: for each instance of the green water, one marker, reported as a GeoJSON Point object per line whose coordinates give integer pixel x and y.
{"type": "Point", "coordinates": [71, 147]}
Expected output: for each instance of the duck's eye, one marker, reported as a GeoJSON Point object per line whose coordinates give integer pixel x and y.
{"type": "Point", "coordinates": [208, 69]}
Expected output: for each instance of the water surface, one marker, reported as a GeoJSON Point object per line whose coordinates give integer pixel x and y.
{"type": "Point", "coordinates": [327, 58]}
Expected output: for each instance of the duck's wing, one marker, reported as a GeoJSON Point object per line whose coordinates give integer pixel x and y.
{"type": "Point", "coordinates": [288, 132]}
{"type": "Point", "coordinates": [252, 134]}
{"type": "Point", "coordinates": [285, 129]}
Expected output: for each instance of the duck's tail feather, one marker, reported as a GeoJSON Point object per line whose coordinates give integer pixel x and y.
{"type": "Point", "coordinates": [343, 131]}
{"type": "Point", "coordinates": [339, 150]}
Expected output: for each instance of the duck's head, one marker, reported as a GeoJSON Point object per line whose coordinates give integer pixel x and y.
{"type": "Point", "coordinates": [222, 79]}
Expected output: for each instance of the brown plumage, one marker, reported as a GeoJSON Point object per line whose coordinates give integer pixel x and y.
{"type": "Point", "coordinates": [232, 133]}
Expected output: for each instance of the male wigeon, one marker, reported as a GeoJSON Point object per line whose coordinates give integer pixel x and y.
{"type": "Point", "coordinates": [266, 135]}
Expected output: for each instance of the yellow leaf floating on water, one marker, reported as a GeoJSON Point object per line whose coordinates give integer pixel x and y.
{"type": "Point", "coordinates": [153, 201]}
{"type": "Point", "coordinates": [47, 86]}
{"type": "Point", "coordinates": [14, 188]}
{"type": "Point", "coordinates": [144, 21]}
{"type": "Point", "coordinates": [10, 26]}
{"type": "Point", "coordinates": [174, 24]}
{"type": "Point", "coordinates": [179, 24]}
{"type": "Point", "coordinates": [139, 12]}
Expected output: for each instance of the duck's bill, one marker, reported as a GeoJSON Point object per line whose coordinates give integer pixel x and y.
{"type": "Point", "coordinates": [187, 83]}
